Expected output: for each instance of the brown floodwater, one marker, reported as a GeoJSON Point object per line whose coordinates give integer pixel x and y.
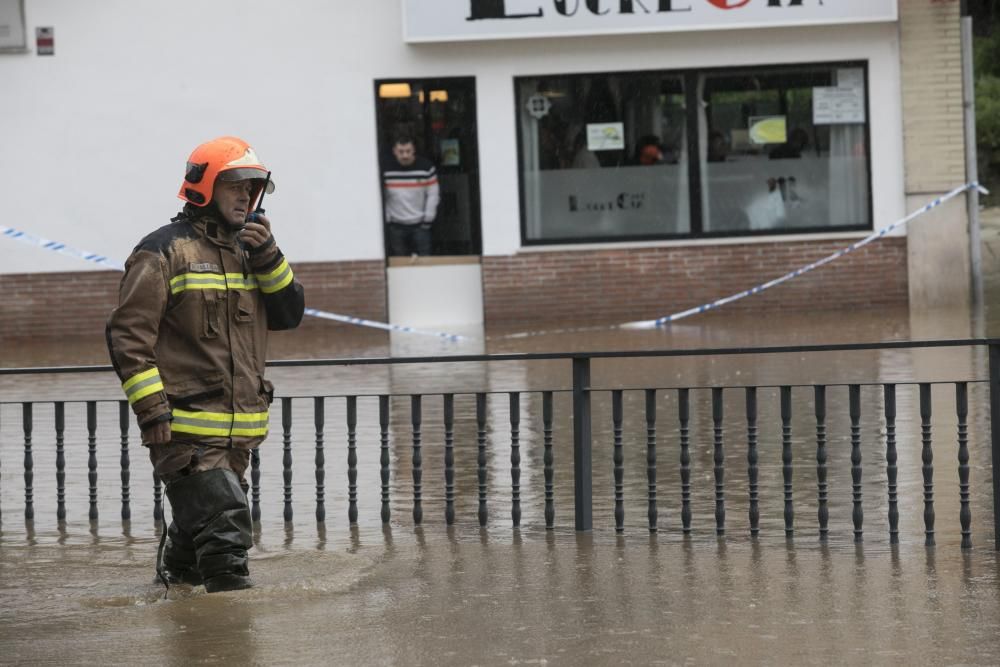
{"type": "Point", "coordinates": [328, 593]}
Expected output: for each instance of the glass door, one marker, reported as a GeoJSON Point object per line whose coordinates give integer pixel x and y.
{"type": "Point", "coordinates": [439, 116]}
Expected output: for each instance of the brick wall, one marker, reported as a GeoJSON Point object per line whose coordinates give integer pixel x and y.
{"type": "Point", "coordinates": [532, 287]}
{"type": "Point", "coordinates": [60, 305]}
{"type": "Point", "coordinates": [930, 35]}
{"type": "Point", "coordinates": [933, 124]}
{"type": "Point", "coordinates": [644, 283]}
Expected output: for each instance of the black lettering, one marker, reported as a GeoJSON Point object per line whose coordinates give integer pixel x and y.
{"type": "Point", "coordinates": [668, 6]}
{"type": "Point", "coordinates": [791, 3]}
{"type": "Point", "coordinates": [561, 7]}
{"type": "Point", "coordinates": [595, 7]}
{"type": "Point", "coordinates": [621, 200]}
{"type": "Point", "coordinates": [627, 7]}
{"type": "Point", "coordinates": [494, 9]}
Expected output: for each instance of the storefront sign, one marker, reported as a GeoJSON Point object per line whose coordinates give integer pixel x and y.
{"type": "Point", "coordinates": [456, 20]}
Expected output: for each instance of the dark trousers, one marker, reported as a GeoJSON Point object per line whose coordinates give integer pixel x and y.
{"type": "Point", "coordinates": [406, 240]}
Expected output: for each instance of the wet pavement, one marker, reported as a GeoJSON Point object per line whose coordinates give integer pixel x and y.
{"type": "Point", "coordinates": [327, 593]}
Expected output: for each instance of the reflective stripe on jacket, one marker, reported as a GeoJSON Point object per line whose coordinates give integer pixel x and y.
{"type": "Point", "coordinates": [189, 336]}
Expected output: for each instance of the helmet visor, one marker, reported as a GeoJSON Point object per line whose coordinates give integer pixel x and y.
{"type": "Point", "coordinates": [245, 174]}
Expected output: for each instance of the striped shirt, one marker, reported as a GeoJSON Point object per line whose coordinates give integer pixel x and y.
{"type": "Point", "coordinates": [411, 193]}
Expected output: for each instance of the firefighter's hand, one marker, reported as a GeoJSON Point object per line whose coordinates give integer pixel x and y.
{"type": "Point", "coordinates": [256, 233]}
{"type": "Point", "coordinates": [156, 434]}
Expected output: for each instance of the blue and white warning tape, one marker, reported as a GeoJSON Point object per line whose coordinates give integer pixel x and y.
{"type": "Point", "coordinates": [95, 258]}
{"type": "Point", "coordinates": [61, 248]}
{"type": "Point", "coordinates": [660, 321]}
{"type": "Point", "coordinates": [361, 322]}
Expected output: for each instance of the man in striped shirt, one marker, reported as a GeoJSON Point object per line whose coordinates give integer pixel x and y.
{"type": "Point", "coordinates": [411, 196]}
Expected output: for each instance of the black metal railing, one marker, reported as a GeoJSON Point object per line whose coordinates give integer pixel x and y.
{"type": "Point", "coordinates": [582, 392]}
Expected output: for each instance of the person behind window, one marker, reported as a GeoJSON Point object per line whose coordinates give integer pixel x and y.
{"type": "Point", "coordinates": [411, 194]}
{"type": "Point", "coordinates": [648, 151]}
{"type": "Point", "coordinates": [583, 157]}
{"type": "Point", "coordinates": [717, 147]}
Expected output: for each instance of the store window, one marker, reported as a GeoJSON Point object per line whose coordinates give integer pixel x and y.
{"type": "Point", "coordinates": [657, 155]}
{"type": "Point", "coordinates": [603, 157]}
{"type": "Point", "coordinates": [784, 150]}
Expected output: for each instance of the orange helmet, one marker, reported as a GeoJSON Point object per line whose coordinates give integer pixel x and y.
{"type": "Point", "coordinates": [225, 158]}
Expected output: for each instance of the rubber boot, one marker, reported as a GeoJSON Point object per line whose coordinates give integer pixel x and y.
{"type": "Point", "coordinates": [211, 507]}
{"type": "Point", "coordinates": [180, 565]}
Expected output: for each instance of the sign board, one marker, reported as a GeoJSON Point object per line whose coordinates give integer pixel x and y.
{"type": "Point", "coordinates": [12, 35]}
{"type": "Point", "coordinates": [458, 20]}
{"type": "Point", "coordinates": [768, 130]}
{"type": "Point", "coordinates": [605, 136]}
{"type": "Point", "coordinates": [843, 103]}
{"type": "Point", "coordinates": [45, 41]}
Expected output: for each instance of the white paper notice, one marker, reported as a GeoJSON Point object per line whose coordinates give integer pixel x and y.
{"type": "Point", "coordinates": [836, 105]}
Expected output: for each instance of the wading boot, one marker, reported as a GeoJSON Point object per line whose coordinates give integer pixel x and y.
{"type": "Point", "coordinates": [212, 508]}
{"type": "Point", "coordinates": [180, 565]}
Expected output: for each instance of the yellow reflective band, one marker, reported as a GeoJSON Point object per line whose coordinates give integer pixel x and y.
{"type": "Point", "coordinates": [142, 384]}
{"type": "Point", "coordinates": [277, 280]}
{"type": "Point", "coordinates": [216, 281]}
{"type": "Point", "coordinates": [219, 423]}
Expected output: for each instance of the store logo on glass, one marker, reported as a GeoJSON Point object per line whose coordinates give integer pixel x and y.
{"type": "Point", "coordinates": [626, 201]}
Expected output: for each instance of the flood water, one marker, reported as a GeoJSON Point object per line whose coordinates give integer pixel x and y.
{"type": "Point", "coordinates": [327, 593]}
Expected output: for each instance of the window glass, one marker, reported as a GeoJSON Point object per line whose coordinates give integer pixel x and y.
{"type": "Point", "coordinates": [609, 156]}
{"type": "Point", "coordinates": [783, 149]}
{"type": "Point", "coordinates": [603, 157]}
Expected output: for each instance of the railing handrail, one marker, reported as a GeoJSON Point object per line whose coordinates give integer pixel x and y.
{"type": "Point", "coordinates": [551, 356]}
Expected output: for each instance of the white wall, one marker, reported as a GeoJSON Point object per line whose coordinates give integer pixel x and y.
{"type": "Point", "coordinates": [93, 140]}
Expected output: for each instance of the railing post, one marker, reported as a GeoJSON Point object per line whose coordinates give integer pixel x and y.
{"type": "Point", "coordinates": [27, 424]}
{"type": "Point", "coordinates": [92, 456]}
{"type": "Point", "coordinates": [124, 420]}
{"type": "Point", "coordinates": [352, 460]}
{"type": "Point", "coordinates": [582, 446]}
{"type": "Point", "coordinates": [286, 454]}
{"type": "Point", "coordinates": [995, 437]}
{"type": "Point", "coordinates": [319, 421]}
{"type": "Point", "coordinates": [60, 417]}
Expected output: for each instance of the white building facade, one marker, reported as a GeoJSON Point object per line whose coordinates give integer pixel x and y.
{"type": "Point", "coordinates": [598, 159]}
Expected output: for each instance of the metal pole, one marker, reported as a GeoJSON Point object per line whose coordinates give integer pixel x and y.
{"type": "Point", "coordinates": [582, 446]}
{"type": "Point", "coordinates": [995, 437]}
{"type": "Point", "coordinates": [971, 166]}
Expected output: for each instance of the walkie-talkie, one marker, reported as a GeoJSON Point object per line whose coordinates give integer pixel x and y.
{"type": "Point", "coordinates": [252, 216]}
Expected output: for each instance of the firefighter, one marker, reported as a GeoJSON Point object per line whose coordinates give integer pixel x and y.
{"type": "Point", "coordinates": [188, 341]}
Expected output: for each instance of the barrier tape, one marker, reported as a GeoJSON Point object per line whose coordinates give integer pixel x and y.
{"type": "Point", "coordinates": [661, 321]}
{"type": "Point", "coordinates": [61, 248]}
{"type": "Point", "coordinates": [648, 324]}
{"type": "Point", "coordinates": [94, 258]}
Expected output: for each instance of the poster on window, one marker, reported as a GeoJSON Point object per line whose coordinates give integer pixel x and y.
{"type": "Point", "coordinates": [768, 130]}
{"type": "Point", "coordinates": [833, 105]}
{"type": "Point", "coordinates": [450, 154]}
{"type": "Point", "coordinates": [605, 136]}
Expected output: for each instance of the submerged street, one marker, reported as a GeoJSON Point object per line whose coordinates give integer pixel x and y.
{"type": "Point", "coordinates": [329, 593]}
